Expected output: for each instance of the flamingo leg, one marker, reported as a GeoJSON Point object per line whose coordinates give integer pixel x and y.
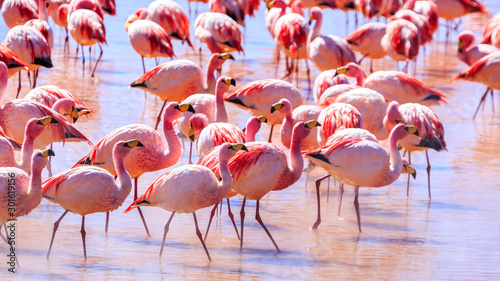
{"type": "Point", "coordinates": [259, 219]}
{"type": "Point", "coordinates": [271, 134]}
{"type": "Point", "coordinates": [242, 219]}
{"type": "Point", "coordinates": [308, 80]}
{"type": "Point", "coordinates": [19, 86]}
{"type": "Point", "coordinates": [49, 164]}
{"type": "Point", "coordinates": [66, 40]}
{"type": "Point", "coordinates": [139, 208]}
{"type": "Point", "coordinates": [107, 223]}
{"type": "Point", "coordinates": [158, 119]}
{"type": "Point", "coordinates": [231, 216]}
{"type": "Point", "coordinates": [156, 61]}
{"type": "Point", "coordinates": [190, 152]}
{"type": "Point", "coordinates": [318, 183]}
{"type": "Point", "coordinates": [97, 62]}
{"type": "Point", "coordinates": [371, 66]}
{"type": "Point", "coordinates": [428, 173]}
{"type": "Point", "coordinates": [165, 231]}
{"type": "Point", "coordinates": [212, 214]}
{"type": "Point", "coordinates": [328, 192]}
{"type": "Point", "coordinates": [198, 233]}
{"type": "Point", "coordinates": [408, 184]}
{"type": "Point", "coordinates": [492, 100]}
{"type": "Point", "coordinates": [35, 77]}
{"type": "Point", "coordinates": [82, 231]}
{"type": "Point", "coordinates": [277, 51]}
{"type": "Point", "coordinates": [29, 77]}
{"type": "Point", "coordinates": [356, 205]}
{"type": "Point", "coordinates": [341, 191]}
{"type": "Point", "coordinates": [143, 65]}
{"type": "Point", "coordinates": [56, 226]}
{"type": "Point", "coordinates": [483, 98]}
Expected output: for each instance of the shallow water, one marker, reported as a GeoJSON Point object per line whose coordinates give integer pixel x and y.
{"type": "Point", "coordinates": [453, 237]}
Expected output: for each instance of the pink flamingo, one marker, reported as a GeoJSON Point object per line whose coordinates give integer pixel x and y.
{"type": "Point", "coordinates": [401, 41]}
{"type": "Point", "coordinates": [258, 96]}
{"type": "Point", "coordinates": [470, 53]}
{"type": "Point", "coordinates": [28, 191]}
{"type": "Point", "coordinates": [58, 10]}
{"type": "Point", "coordinates": [189, 188]}
{"type": "Point", "coordinates": [170, 15]}
{"type": "Point", "coordinates": [395, 85]}
{"type": "Point", "coordinates": [367, 41]}
{"type": "Point", "coordinates": [17, 12]}
{"type": "Point", "coordinates": [12, 61]}
{"type": "Point", "coordinates": [428, 9]}
{"type": "Point", "coordinates": [335, 117]}
{"type": "Point", "coordinates": [235, 9]}
{"type": "Point", "coordinates": [148, 38]}
{"type": "Point", "coordinates": [87, 29]}
{"type": "Point", "coordinates": [153, 157]}
{"type": "Point", "coordinates": [33, 129]}
{"type": "Point", "coordinates": [178, 79]}
{"type": "Point", "coordinates": [219, 32]}
{"type": "Point", "coordinates": [420, 21]}
{"type": "Point", "coordinates": [483, 71]}
{"type": "Point", "coordinates": [491, 33]}
{"type": "Point", "coordinates": [42, 23]}
{"type": "Point", "coordinates": [452, 9]}
{"type": "Point", "coordinates": [50, 95]}
{"type": "Point", "coordinates": [108, 6]}
{"type": "Point", "coordinates": [31, 48]}
{"type": "Point", "coordinates": [92, 5]}
{"type": "Point", "coordinates": [326, 80]}
{"type": "Point", "coordinates": [348, 159]}
{"type": "Point", "coordinates": [327, 51]}
{"type": "Point", "coordinates": [88, 190]}
{"type": "Point", "coordinates": [430, 128]}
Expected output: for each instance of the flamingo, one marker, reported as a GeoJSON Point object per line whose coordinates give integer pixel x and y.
{"type": "Point", "coordinates": [189, 188]}
{"type": "Point", "coordinates": [219, 32]}
{"type": "Point", "coordinates": [15, 114]}
{"type": "Point", "coordinates": [31, 48]}
{"type": "Point", "coordinates": [178, 79]}
{"type": "Point", "coordinates": [108, 6]}
{"type": "Point", "coordinates": [58, 10]}
{"type": "Point", "coordinates": [92, 5]}
{"type": "Point", "coordinates": [170, 15]}
{"type": "Point", "coordinates": [27, 189]}
{"type": "Point", "coordinates": [326, 80]}
{"type": "Point", "coordinates": [301, 113]}
{"type": "Point", "coordinates": [401, 40]}
{"type": "Point", "coordinates": [335, 117]}
{"type": "Point", "coordinates": [367, 41]}
{"type": "Point", "coordinates": [12, 61]}
{"type": "Point", "coordinates": [362, 163]}
{"type": "Point", "coordinates": [148, 38]}
{"type": "Point", "coordinates": [88, 190]}
{"type": "Point", "coordinates": [351, 134]}
{"type": "Point", "coordinates": [42, 23]}
{"type": "Point", "coordinates": [491, 34]}
{"type": "Point", "coordinates": [420, 21]}
{"type": "Point", "coordinates": [17, 12]}
{"type": "Point", "coordinates": [49, 95]}
{"type": "Point", "coordinates": [327, 51]}
{"type": "Point", "coordinates": [309, 4]}
{"type": "Point", "coordinates": [87, 29]}
{"type": "Point", "coordinates": [371, 105]}
{"type": "Point", "coordinates": [483, 71]}
{"type": "Point", "coordinates": [153, 157]}
{"type": "Point", "coordinates": [428, 9]}
{"type": "Point", "coordinates": [470, 53]}
{"type": "Point", "coordinates": [430, 128]}
{"type": "Point", "coordinates": [452, 9]}
{"type": "Point", "coordinates": [395, 85]}
{"type": "Point", "coordinates": [33, 129]}
{"type": "Point", "coordinates": [258, 96]}
{"type": "Point", "coordinates": [235, 9]}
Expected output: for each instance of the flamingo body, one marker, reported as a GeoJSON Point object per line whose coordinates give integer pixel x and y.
{"type": "Point", "coordinates": [219, 32]}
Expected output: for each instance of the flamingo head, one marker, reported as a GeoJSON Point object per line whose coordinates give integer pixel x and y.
{"type": "Point", "coordinates": [302, 129]}
{"type": "Point", "coordinates": [122, 148]}
{"type": "Point", "coordinates": [39, 159]}
{"type": "Point", "coordinates": [140, 14]}
{"type": "Point", "coordinates": [197, 122]}
{"type": "Point", "coordinates": [35, 127]}
{"type": "Point", "coordinates": [465, 40]}
{"type": "Point", "coordinates": [174, 110]}
{"type": "Point", "coordinates": [408, 169]}
{"type": "Point", "coordinates": [316, 14]}
{"type": "Point", "coordinates": [284, 104]}
{"type": "Point", "coordinates": [393, 116]}
{"type": "Point", "coordinates": [223, 84]}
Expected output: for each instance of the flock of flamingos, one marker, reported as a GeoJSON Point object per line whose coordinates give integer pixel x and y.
{"type": "Point", "coordinates": [340, 132]}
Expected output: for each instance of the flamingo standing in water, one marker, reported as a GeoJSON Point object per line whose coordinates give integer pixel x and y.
{"type": "Point", "coordinates": [328, 79]}
{"type": "Point", "coordinates": [189, 188]}
{"type": "Point", "coordinates": [58, 10]}
{"type": "Point", "coordinates": [335, 117]}
{"type": "Point", "coordinates": [430, 128]}
{"type": "Point", "coordinates": [33, 129]}
{"type": "Point", "coordinates": [452, 9]}
{"type": "Point", "coordinates": [153, 157]}
{"type": "Point", "coordinates": [362, 163]}
{"type": "Point", "coordinates": [219, 32]}
{"type": "Point", "coordinates": [87, 29]}
{"type": "Point", "coordinates": [491, 32]}
{"type": "Point", "coordinates": [258, 96]}
{"type": "Point", "coordinates": [88, 190]}
{"type": "Point", "coordinates": [483, 71]}
{"type": "Point", "coordinates": [148, 38]}
{"type": "Point", "coordinates": [470, 53]}
{"type": "Point", "coordinates": [401, 41]}
{"type": "Point", "coordinates": [395, 85]}
{"type": "Point", "coordinates": [327, 51]}
{"type": "Point", "coordinates": [18, 12]}
{"type": "Point", "coordinates": [178, 79]}
{"type": "Point", "coordinates": [170, 15]}
{"type": "Point", "coordinates": [42, 23]}
{"type": "Point", "coordinates": [235, 9]}
{"type": "Point", "coordinates": [367, 41]}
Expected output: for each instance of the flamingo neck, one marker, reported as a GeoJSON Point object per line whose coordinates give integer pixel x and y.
{"type": "Point", "coordinates": [227, 180]}
{"type": "Point", "coordinates": [27, 151]}
{"type": "Point", "coordinates": [252, 128]}
{"type": "Point", "coordinates": [396, 161]}
{"type": "Point", "coordinates": [296, 161]}
{"type": "Point", "coordinates": [35, 188]}
{"type": "Point", "coordinates": [360, 79]}
{"type": "Point", "coordinates": [211, 81]}
{"type": "Point", "coordinates": [3, 85]}
{"type": "Point", "coordinates": [220, 108]}
{"type": "Point", "coordinates": [173, 153]}
{"type": "Point", "coordinates": [122, 174]}
{"type": "Point", "coordinates": [317, 28]}
{"type": "Point", "coordinates": [286, 130]}
{"type": "Point", "coordinates": [42, 11]}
